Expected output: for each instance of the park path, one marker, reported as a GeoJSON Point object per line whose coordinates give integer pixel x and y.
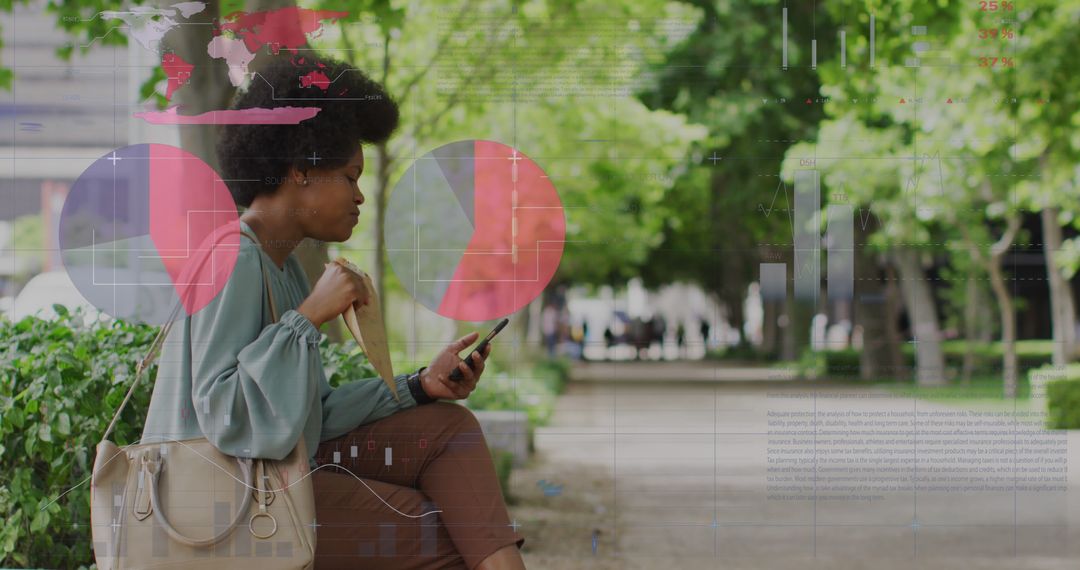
{"type": "Point", "coordinates": [654, 465]}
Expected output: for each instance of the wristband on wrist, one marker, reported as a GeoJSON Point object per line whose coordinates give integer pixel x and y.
{"type": "Point", "coordinates": [417, 390]}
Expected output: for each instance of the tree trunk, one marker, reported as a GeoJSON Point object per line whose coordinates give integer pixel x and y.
{"type": "Point", "coordinates": [382, 195]}
{"type": "Point", "coordinates": [894, 305]}
{"type": "Point", "coordinates": [871, 312]}
{"type": "Point", "coordinates": [1005, 305]}
{"type": "Point", "coordinates": [207, 88]}
{"type": "Point", "coordinates": [1008, 326]}
{"type": "Point", "coordinates": [922, 312]}
{"type": "Point", "coordinates": [382, 191]}
{"type": "Point", "coordinates": [789, 341]}
{"type": "Point", "coordinates": [986, 321]}
{"type": "Point", "coordinates": [971, 325]}
{"type": "Point", "coordinates": [800, 315]}
{"type": "Point", "coordinates": [769, 331]}
{"type": "Point", "coordinates": [1062, 307]}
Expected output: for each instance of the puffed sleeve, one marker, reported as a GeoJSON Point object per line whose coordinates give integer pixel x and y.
{"type": "Point", "coordinates": [252, 387]}
{"type": "Point", "coordinates": [360, 402]}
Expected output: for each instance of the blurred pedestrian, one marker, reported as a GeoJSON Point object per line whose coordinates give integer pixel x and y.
{"type": "Point", "coordinates": [549, 323]}
{"type": "Point", "coordinates": [705, 328]}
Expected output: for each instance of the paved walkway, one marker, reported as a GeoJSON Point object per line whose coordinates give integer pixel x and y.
{"type": "Point", "coordinates": [684, 472]}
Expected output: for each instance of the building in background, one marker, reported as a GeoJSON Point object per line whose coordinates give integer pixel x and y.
{"type": "Point", "coordinates": [57, 118]}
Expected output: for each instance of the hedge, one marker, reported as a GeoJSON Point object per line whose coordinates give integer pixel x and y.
{"type": "Point", "coordinates": [1030, 354]}
{"type": "Point", "coordinates": [1062, 395]}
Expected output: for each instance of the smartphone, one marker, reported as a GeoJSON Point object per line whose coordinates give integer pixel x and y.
{"type": "Point", "coordinates": [455, 374]}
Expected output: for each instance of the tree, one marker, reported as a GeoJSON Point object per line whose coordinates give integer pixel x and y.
{"type": "Point", "coordinates": [1044, 113]}
{"type": "Point", "coordinates": [727, 75]}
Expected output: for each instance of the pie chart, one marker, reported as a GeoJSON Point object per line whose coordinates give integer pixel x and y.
{"type": "Point", "coordinates": [475, 230]}
{"type": "Point", "coordinates": [148, 226]}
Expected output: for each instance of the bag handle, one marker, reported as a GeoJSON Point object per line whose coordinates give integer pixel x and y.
{"type": "Point", "coordinates": [153, 465]}
{"type": "Point", "coordinates": [155, 346]}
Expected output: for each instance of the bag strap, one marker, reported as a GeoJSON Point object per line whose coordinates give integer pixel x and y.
{"type": "Point", "coordinates": [266, 280]}
{"type": "Point", "coordinates": [151, 468]}
{"type": "Point", "coordinates": [155, 346]}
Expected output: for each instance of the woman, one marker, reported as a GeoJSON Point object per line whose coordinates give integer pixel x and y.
{"type": "Point", "coordinates": [254, 388]}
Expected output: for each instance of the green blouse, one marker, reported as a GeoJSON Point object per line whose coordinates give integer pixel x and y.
{"type": "Point", "coordinates": [253, 387]}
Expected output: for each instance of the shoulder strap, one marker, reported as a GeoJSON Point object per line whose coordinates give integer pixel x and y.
{"type": "Point", "coordinates": [266, 279]}
{"type": "Point", "coordinates": [155, 346]}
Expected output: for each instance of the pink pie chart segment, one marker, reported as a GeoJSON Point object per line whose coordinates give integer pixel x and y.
{"type": "Point", "coordinates": [518, 241]}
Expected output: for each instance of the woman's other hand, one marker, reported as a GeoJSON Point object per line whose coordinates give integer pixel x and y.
{"type": "Point", "coordinates": [336, 290]}
{"type": "Point", "coordinates": [435, 379]}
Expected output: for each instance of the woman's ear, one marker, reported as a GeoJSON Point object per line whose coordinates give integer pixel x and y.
{"type": "Point", "coordinates": [300, 178]}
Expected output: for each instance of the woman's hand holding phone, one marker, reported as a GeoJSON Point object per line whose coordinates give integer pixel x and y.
{"type": "Point", "coordinates": [435, 379]}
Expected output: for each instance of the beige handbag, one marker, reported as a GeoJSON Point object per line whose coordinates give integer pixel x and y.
{"type": "Point", "coordinates": [185, 504]}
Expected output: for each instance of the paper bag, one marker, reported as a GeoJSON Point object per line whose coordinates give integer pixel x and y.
{"type": "Point", "coordinates": [366, 325]}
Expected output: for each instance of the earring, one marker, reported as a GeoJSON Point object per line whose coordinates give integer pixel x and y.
{"type": "Point", "coordinates": [304, 182]}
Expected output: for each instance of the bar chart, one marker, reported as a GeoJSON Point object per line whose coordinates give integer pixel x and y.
{"type": "Point", "coordinates": [784, 53]}
{"type": "Point", "coordinates": [807, 240]}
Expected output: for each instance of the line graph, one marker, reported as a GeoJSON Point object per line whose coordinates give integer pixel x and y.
{"type": "Point", "coordinates": [246, 484]}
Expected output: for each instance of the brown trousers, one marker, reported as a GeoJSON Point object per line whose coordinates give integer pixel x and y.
{"type": "Point", "coordinates": [428, 458]}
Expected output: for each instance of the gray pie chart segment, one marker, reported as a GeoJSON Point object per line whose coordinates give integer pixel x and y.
{"type": "Point", "coordinates": [458, 164]}
{"type": "Point", "coordinates": [123, 278]}
{"type": "Point", "coordinates": [427, 231]}
{"type": "Point", "coordinates": [108, 202]}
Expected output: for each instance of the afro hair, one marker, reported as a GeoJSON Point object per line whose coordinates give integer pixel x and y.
{"type": "Point", "coordinates": [353, 110]}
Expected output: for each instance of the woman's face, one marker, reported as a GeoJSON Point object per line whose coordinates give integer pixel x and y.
{"type": "Point", "coordinates": [331, 200]}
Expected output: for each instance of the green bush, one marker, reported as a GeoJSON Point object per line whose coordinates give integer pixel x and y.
{"type": "Point", "coordinates": [1063, 404]}
{"type": "Point", "coordinates": [1030, 354]}
{"type": "Point", "coordinates": [504, 464]}
{"type": "Point", "coordinates": [60, 382]}
{"type": "Point", "coordinates": [842, 363]}
{"type": "Point", "coordinates": [554, 373]}
{"type": "Point", "coordinates": [738, 353]}
{"type": "Point", "coordinates": [343, 363]}
{"type": "Point", "coordinates": [1062, 396]}
{"type": "Point", "coordinates": [533, 391]}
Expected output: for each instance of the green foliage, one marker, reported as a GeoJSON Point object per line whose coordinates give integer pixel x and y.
{"type": "Point", "coordinates": [534, 391]}
{"type": "Point", "coordinates": [1029, 353]}
{"type": "Point", "coordinates": [726, 75]}
{"type": "Point", "coordinates": [86, 28]}
{"type": "Point", "coordinates": [344, 362]}
{"type": "Point", "coordinates": [556, 371]}
{"type": "Point", "coordinates": [810, 365]}
{"type": "Point", "coordinates": [148, 90]}
{"type": "Point", "coordinates": [504, 464]}
{"type": "Point", "coordinates": [6, 74]}
{"type": "Point", "coordinates": [739, 353]}
{"type": "Point", "coordinates": [842, 363]}
{"type": "Point", "coordinates": [28, 241]}
{"type": "Point", "coordinates": [982, 390]}
{"type": "Point", "coordinates": [1063, 400]}
{"type": "Point", "coordinates": [60, 382]}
